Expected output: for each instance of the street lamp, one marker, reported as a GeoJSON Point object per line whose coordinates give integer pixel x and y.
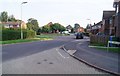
{"type": "Point", "coordinates": [90, 25]}
{"type": "Point", "coordinates": [21, 19]}
{"type": "Point", "coordinates": [89, 20]}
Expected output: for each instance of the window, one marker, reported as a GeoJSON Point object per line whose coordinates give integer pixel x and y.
{"type": "Point", "coordinates": [110, 21]}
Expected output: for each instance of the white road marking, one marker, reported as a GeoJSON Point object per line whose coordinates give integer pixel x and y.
{"type": "Point", "coordinates": [61, 54]}
{"type": "Point", "coordinates": [71, 52]}
{"type": "Point", "coordinates": [79, 43]}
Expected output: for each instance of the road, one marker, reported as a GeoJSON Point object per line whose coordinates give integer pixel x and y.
{"type": "Point", "coordinates": [43, 57]}
{"type": "Point", "coordinates": [20, 50]}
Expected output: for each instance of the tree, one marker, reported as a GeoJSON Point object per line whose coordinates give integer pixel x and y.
{"type": "Point", "coordinates": [56, 27]}
{"type": "Point", "coordinates": [32, 24]}
{"type": "Point", "coordinates": [12, 18]}
{"type": "Point", "coordinates": [4, 16]}
{"type": "Point", "coordinates": [39, 31]}
{"type": "Point", "coordinates": [46, 29]}
{"type": "Point", "coordinates": [76, 26]}
{"type": "Point", "coordinates": [53, 28]}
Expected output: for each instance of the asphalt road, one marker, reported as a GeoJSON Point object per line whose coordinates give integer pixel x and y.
{"type": "Point", "coordinates": [15, 51]}
{"type": "Point", "coordinates": [52, 61]}
{"type": "Point", "coordinates": [43, 57]}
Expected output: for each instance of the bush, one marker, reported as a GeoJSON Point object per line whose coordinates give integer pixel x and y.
{"type": "Point", "coordinates": [13, 34]}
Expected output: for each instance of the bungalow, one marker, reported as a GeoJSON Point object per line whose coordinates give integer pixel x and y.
{"type": "Point", "coordinates": [14, 25]}
{"type": "Point", "coordinates": [69, 28]}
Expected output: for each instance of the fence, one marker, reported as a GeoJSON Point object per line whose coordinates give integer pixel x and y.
{"type": "Point", "coordinates": [103, 40]}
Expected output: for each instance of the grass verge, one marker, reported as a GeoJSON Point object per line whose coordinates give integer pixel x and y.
{"type": "Point", "coordinates": [103, 47]}
{"type": "Point", "coordinates": [18, 41]}
{"type": "Point", "coordinates": [111, 49]}
{"type": "Point", "coordinates": [37, 38]}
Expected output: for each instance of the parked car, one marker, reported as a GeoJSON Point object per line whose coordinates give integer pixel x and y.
{"type": "Point", "coordinates": [66, 32]}
{"type": "Point", "coordinates": [79, 35]}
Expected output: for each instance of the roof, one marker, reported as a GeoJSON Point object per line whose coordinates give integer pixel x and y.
{"type": "Point", "coordinates": [115, 3]}
{"type": "Point", "coordinates": [97, 24]}
{"type": "Point", "coordinates": [116, 0]}
{"type": "Point", "coordinates": [108, 14]}
{"type": "Point", "coordinates": [13, 23]}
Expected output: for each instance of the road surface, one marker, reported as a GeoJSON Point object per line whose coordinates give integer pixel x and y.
{"type": "Point", "coordinates": [43, 57]}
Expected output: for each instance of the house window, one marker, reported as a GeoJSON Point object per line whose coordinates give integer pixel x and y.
{"type": "Point", "coordinates": [11, 26]}
{"type": "Point", "coordinates": [17, 25]}
{"type": "Point", "coordinates": [110, 21]}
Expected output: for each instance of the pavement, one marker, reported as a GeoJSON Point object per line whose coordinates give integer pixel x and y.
{"type": "Point", "coordinates": [52, 61]}
{"type": "Point", "coordinates": [104, 60]}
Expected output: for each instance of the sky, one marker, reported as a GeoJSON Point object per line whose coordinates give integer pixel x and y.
{"type": "Point", "coordinates": [65, 12]}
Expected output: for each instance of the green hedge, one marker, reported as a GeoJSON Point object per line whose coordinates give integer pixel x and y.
{"type": "Point", "coordinates": [13, 34]}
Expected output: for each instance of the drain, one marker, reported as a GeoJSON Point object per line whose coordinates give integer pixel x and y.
{"type": "Point", "coordinates": [39, 63]}
{"type": "Point", "coordinates": [50, 63]}
{"type": "Point", "coordinates": [45, 60]}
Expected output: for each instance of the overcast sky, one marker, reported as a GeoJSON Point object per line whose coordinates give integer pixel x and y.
{"type": "Point", "coordinates": [65, 12]}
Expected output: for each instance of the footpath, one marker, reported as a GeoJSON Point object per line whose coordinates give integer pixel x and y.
{"type": "Point", "coordinates": [100, 59]}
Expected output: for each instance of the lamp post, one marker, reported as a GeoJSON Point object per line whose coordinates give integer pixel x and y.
{"type": "Point", "coordinates": [21, 19]}
{"type": "Point", "coordinates": [89, 20]}
{"type": "Point", "coordinates": [90, 25]}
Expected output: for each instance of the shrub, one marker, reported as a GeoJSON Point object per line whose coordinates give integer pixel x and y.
{"type": "Point", "coordinates": [13, 34]}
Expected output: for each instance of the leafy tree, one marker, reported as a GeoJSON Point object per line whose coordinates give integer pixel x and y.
{"type": "Point", "coordinates": [39, 31]}
{"type": "Point", "coordinates": [76, 26]}
{"type": "Point", "coordinates": [56, 27]}
{"type": "Point", "coordinates": [12, 18]}
{"type": "Point", "coordinates": [32, 24]}
{"type": "Point", "coordinates": [46, 29]}
{"type": "Point", "coordinates": [4, 16]}
{"type": "Point", "coordinates": [53, 28]}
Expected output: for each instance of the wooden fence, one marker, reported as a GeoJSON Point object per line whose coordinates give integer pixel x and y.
{"type": "Point", "coordinates": [99, 39]}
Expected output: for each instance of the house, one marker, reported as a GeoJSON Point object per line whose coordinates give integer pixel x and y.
{"type": "Point", "coordinates": [50, 24]}
{"type": "Point", "coordinates": [69, 28]}
{"type": "Point", "coordinates": [14, 24]}
{"type": "Point", "coordinates": [107, 24]}
{"type": "Point", "coordinates": [80, 29]}
{"type": "Point", "coordinates": [96, 28]}
{"type": "Point", "coordinates": [89, 28]}
{"type": "Point", "coordinates": [116, 5]}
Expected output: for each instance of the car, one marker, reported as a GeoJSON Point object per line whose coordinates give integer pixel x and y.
{"type": "Point", "coordinates": [66, 32]}
{"type": "Point", "coordinates": [79, 35]}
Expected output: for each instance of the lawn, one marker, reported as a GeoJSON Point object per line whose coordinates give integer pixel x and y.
{"type": "Point", "coordinates": [37, 38]}
{"type": "Point", "coordinates": [104, 47]}
{"type": "Point", "coordinates": [18, 41]}
{"type": "Point", "coordinates": [111, 49]}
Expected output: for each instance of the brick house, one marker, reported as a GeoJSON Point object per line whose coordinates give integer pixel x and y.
{"type": "Point", "coordinates": [89, 28]}
{"type": "Point", "coordinates": [96, 28]}
{"type": "Point", "coordinates": [116, 5]}
{"type": "Point", "coordinates": [107, 22]}
{"type": "Point", "coordinates": [80, 29]}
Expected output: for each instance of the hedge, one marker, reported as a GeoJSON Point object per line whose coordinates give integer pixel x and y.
{"type": "Point", "coordinates": [13, 34]}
